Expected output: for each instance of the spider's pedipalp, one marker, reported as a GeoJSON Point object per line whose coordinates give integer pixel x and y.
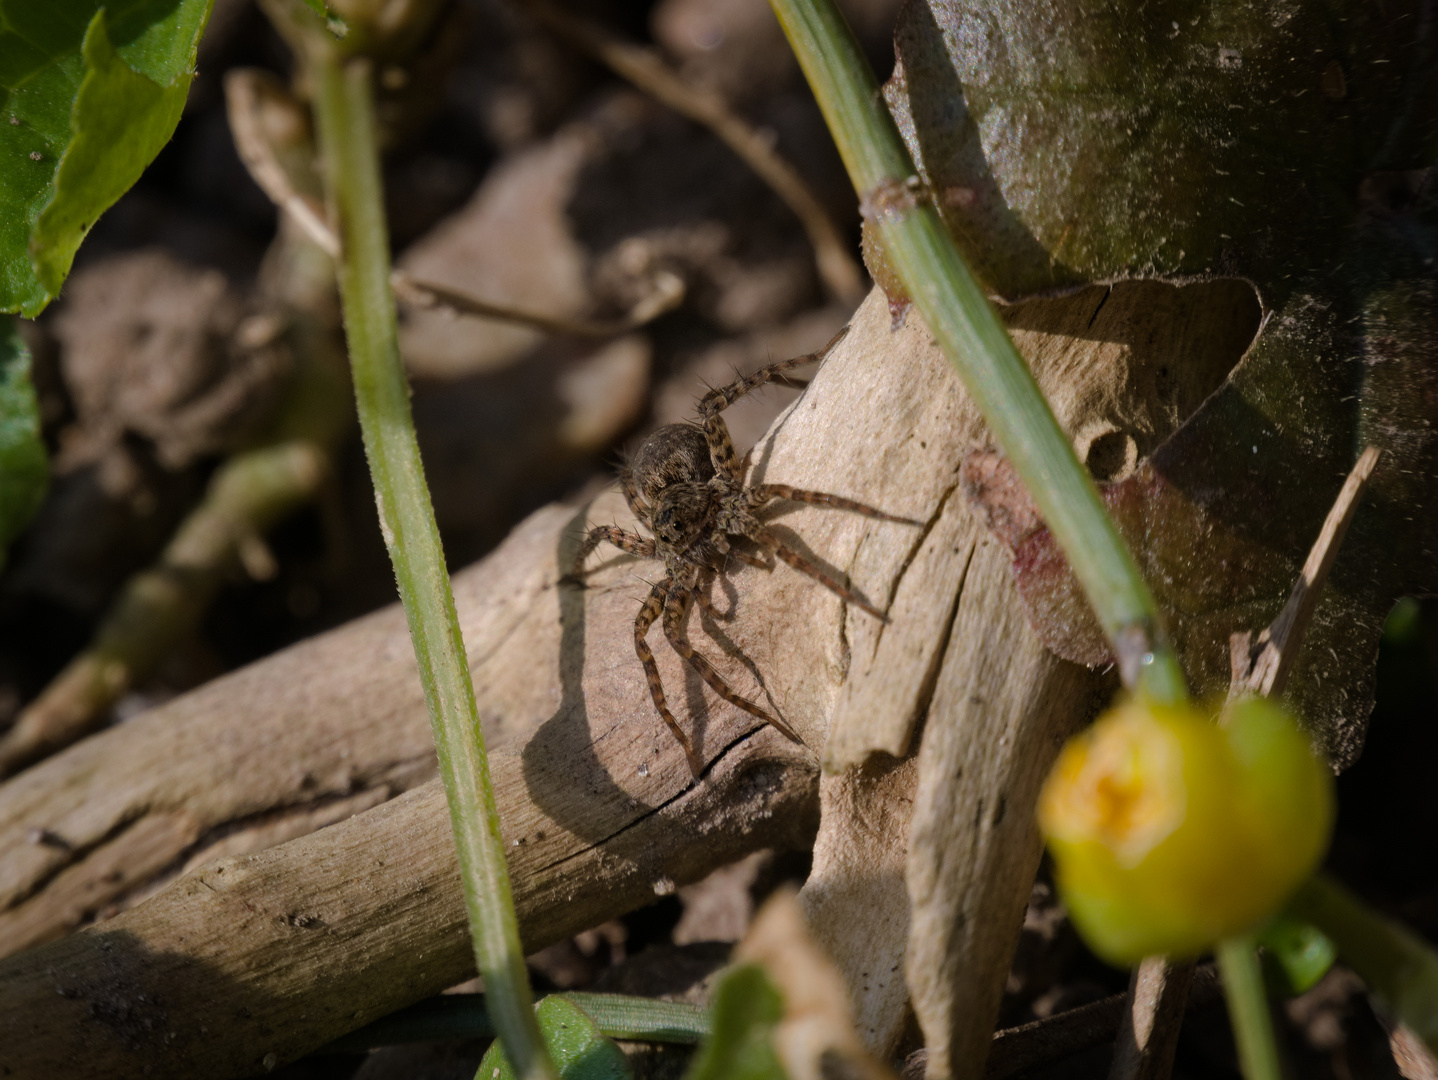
{"type": "Point", "coordinates": [676, 609]}
{"type": "Point", "coordinates": [647, 614]}
{"type": "Point", "coordinates": [760, 494]}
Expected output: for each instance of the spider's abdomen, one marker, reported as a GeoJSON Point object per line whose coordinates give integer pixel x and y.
{"type": "Point", "coordinates": [675, 454]}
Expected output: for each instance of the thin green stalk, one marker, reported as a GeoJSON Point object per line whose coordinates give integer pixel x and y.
{"type": "Point", "coordinates": [621, 1016]}
{"type": "Point", "coordinates": [466, 1016]}
{"type": "Point", "coordinates": [1399, 967]}
{"type": "Point", "coordinates": [344, 109]}
{"type": "Point", "coordinates": [1248, 1008]}
{"type": "Point", "coordinates": [974, 340]}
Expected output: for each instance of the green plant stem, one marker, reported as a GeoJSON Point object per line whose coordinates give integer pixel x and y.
{"type": "Point", "coordinates": [1248, 1008]}
{"type": "Point", "coordinates": [466, 1016]}
{"type": "Point", "coordinates": [1400, 969]}
{"type": "Point", "coordinates": [344, 107]}
{"type": "Point", "coordinates": [970, 334]}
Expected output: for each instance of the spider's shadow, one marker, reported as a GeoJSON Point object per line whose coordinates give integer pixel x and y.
{"type": "Point", "coordinates": [564, 776]}
{"type": "Point", "coordinates": [710, 622]}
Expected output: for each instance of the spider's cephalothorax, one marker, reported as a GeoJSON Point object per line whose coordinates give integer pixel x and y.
{"type": "Point", "coordinates": [686, 485]}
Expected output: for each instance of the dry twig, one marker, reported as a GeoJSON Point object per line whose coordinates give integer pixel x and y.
{"type": "Point", "coordinates": [1159, 989]}
{"type": "Point", "coordinates": [249, 494]}
{"type": "Point", "coordinates": [1262, 666]}
{"type": "Point", "coordinates": [272, 135]}
{"type": "Point", "coordinates": [644, 68]}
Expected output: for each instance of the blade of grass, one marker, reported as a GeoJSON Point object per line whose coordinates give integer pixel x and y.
{"type": "Point", "coordinates": [349, 152]}
{"type": "Point", "coordinates": [974, 340]}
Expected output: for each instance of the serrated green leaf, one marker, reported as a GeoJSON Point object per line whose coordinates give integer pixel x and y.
{"type": "Point", "coordinates": [579, 1049]}
{"type": "Point", "coordinates": [747, 1008]}
{"type": "Point", "coordinates": [319, 7]}
{"type": "Point", "coordinates": [24, 472]}
{"type": "Point", "coordinates": [88, 96]}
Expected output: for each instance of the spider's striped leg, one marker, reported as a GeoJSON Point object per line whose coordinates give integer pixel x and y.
{"type": "Point", "coordinates": [752, 560]}
{"type": "Point", "coordinates": [755, 530]}
{"type": "Point", "coordinates": [676, 611]}
{"type": "Point", "coordinates": [647, 614]}
{"type": "Point", "coordinates": [625, 541]}
{"type": "Point", "coordinates": [716, 432]}
{"type": "Point", "coordinates": [700, 592]}
{"type": "Point", "coordinates": [760, 494]}
{"type": "Point", "coordinates": [631, 494]}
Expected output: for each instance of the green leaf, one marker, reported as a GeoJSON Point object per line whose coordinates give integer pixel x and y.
{"type": "Point", "coordinates": [1298, 954]}
{"type": "Point", "coordinates": [23, 470]}
{"type": "Point", "coordinates": [579, 1049]}
{"type": "Point", "coordinates": [88, 96]}
{"type": "Point", "coordinates": [747, 1008]}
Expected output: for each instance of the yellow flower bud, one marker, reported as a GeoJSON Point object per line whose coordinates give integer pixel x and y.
{"type": "Point", "coordinates": [1170, 833]}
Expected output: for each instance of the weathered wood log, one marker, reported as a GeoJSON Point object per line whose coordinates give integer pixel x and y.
{"type": "Point", "coordinates": [255, 959]}
{"type": "Point", "coordinates": [276, 952]}
{"type": "Point", "coordinates": [593, 790]}
{"type": "Point", "coordinates": [1122, 367]}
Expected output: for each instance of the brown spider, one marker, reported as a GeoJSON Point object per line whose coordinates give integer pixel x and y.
{"type": "Point", "coordinates": [686, 485]}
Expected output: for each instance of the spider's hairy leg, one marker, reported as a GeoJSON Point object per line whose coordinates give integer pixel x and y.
{"type": "Point", "coordinates": [676, 610]}
{"type": "Point", "coordinates": [756, 531]}
{"type": "Point", "coordinates": [752, 560]}
{"type": "Point", "coordinates": [760, 494]}
{"type": "Point", "coordinates": [721, 445]}
{"type": "Point", "coordinates": [647, 614]}
{"type": "Point", "coordinates": [625, 541]}
{"type": "Point", "coordinates": [700, 592]}
{"type": "Point", "coordinates": [630, 484]}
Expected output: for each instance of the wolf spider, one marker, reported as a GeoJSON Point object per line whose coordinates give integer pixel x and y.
{"type": "Point", "coordinates": [686, 485]}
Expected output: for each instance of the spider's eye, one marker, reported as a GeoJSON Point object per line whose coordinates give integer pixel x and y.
{"type": "Point", "coordinates": [679, 517]}
{"type": "Point", "coordinates": [666, 527]}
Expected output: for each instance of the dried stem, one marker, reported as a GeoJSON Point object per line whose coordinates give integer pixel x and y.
{"type": "Point", "coordinates": [643, 67]}
{"type": "Point", "coordinates": [667, 294]}
{"type": "Point", "coordinates": [1262, 666]}
{"type": "Point", "coordinates": [249, 494]}
{"type": "Point", "coordinates": [287, 178]}
{"type": "Point", "coordinates": [1150, 1030]}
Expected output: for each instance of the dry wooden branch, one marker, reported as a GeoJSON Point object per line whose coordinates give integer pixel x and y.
{"type": "Point", "coordinates": [595, 792]}
{"type": "Point", "coordinates": [1121, 367]}
{"type": "Point", "coordinates": [838, 268]}
{"type": "Point", "coordinates": [1149, 1022]}
{"type": "Point", "coordinates": [1262, 666]}
{"type": "Point", "coordinates": [1054, 1038]}
{"type": "Point", "coordinates": [1159, 989]}
{"type": "Point", "coordinates": [272, 135]}
{"type": "Point", "coordinates": [274, 953]}
{"type": "Point", "coordinates": [363, 917]}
